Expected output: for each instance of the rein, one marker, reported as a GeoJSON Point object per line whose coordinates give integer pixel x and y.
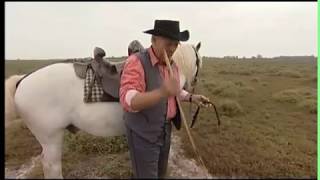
{"type": "Point", "coordinates": [193, 84]}
{"type": "Point", "coordinates": [195, 115]}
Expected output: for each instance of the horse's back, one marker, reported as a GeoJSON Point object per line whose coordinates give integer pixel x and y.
{"type": "Point", "coordinates": [48, 80]}
{"type": "Point", "coordinates": [48, 91]}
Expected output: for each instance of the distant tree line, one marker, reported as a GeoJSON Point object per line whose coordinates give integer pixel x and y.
{"type": "Point", "coordinates": [260, 57]}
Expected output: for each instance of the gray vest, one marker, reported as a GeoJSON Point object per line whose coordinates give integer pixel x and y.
{"type": "Point", "coordinates": [149, 123]}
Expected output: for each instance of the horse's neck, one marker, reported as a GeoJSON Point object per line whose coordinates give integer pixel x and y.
{"type": "Point", "coordinates": [183, 58]}
{"type": "Point", "coordinates": [182, 79]}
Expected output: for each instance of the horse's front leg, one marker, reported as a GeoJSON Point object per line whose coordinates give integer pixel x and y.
{"type": "Point", "coordinates": [52, 155]}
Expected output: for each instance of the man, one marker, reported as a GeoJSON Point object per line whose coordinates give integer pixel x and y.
{"type": "Point", "coordinates": [147, 94]}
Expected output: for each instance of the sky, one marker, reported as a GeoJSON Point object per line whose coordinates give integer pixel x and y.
{"type": "Point", "coordinates": [45, 30]}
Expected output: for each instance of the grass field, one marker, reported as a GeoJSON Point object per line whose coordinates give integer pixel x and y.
{"type": "Point", "coordinates": [269, 121]}
{"type": "Point", "coordinates": [268, 112]}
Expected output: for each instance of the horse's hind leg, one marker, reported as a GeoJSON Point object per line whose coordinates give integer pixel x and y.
{"type": "Point", "coordinates": [51, 153]}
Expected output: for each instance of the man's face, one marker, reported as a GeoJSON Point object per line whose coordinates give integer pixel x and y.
{"type": "Point", "coordinates": [167, 44]}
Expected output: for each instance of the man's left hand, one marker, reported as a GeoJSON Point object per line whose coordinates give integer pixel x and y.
{"type": "Point", "coordinates": [201, 100]}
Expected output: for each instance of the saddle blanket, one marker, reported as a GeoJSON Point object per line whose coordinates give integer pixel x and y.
{"type": "Point", "coordinates": [96, 94]}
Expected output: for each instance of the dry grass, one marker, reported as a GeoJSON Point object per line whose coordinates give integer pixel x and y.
{"type": "Point", "coordinates": [271, 137]}
{"type": "Point", "coordinates": [314, 79]}
{"type": "Point", "coordinates": [225, 89]}
{"type": "Point", "coordinates": [309, 105]}
{"type": "Point", "coordinates": [304, 98]}
{"type": "Point", "coordinates": [96, 156]}
{"type": "Point", "coordinates": [290, 73]}
{"type": "Point", "coordinates": [23, 67]}
{"type": "Point", "coordinates": [20, 145]}
{"type": "Point", "coordinates": [84, 155]}
{"type": "Point", "coordinates": [255, 79]}
{"type": "Point", "coordinates": [85, 143]}
{"type": "Point", "coordinates": [247, 89]}
{"type": "Point", "coordinates": [290, 96]}
{"type": "Point", "coordinates": [269, 126]}
{"type": "Point", "coordinates": [228, 89]}
{"type": "Point", "coordinates": [230, 107]}
{"type": "Point", "coordinates": [241, 72]}
{"type": "Point", "coordinates": [239, 83]}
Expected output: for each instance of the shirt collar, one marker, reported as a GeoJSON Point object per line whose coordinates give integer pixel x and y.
{"type": "Point", "coordinates": [154, 59]}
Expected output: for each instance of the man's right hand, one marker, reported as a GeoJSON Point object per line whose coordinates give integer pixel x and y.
{"type": "Point", "coordinates": [144, 100]}
{"type": "Point", "coordinates": [170, 87]}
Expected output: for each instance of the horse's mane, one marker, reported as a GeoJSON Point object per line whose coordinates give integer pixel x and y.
{"type": "Point", "coordinates": [184, 57]}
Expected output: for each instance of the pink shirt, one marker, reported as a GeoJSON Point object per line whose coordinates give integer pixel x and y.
{"type": "Point", "coordinates": [133, 81]}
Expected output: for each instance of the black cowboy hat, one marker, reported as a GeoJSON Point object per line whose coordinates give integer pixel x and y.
{"type": "Point", "coordinates": [169, 29]}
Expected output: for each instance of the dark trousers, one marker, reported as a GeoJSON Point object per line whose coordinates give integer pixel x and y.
{"type": "Point", "coordinates": [149, 160]}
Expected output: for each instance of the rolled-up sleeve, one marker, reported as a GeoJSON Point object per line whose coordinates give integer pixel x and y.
{"type": "Point", "coordinates": [184, 95]}
{"type": "Point", "coordinates": [132, 82]}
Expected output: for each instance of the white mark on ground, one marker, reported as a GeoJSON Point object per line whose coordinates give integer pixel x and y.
{"type": "Point", "coordinates": [182, 167]}
{"type": "Point", "coordinates": [24, 169]}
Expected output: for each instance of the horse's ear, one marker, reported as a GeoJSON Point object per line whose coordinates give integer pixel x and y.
{"type": "Point", "coordinates": [198, 46]}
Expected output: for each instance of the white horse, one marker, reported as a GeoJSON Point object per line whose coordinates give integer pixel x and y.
{"type": "Point", "coordinates": [51, 98]}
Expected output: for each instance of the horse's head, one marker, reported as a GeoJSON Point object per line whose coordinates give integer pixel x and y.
{"type": "Point", "coordinates": [189, 61]}
{"type": "Point", "coordinates": [134, 46]}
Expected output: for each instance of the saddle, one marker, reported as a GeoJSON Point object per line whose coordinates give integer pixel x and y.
{"type": "Point", "coordinates": [106, 77]}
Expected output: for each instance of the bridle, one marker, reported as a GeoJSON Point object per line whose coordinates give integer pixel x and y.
{"type": "Point", "coordinates": [193, 84]}
{"type": "Point", "coordinates": [195, 79]}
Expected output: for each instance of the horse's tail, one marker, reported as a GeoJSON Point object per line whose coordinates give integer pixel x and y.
{"type": "Point", "coordinates": [10, 90]}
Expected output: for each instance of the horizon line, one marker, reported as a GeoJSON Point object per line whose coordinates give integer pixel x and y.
{"type": "Point", "coordinates": [226, 56]}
